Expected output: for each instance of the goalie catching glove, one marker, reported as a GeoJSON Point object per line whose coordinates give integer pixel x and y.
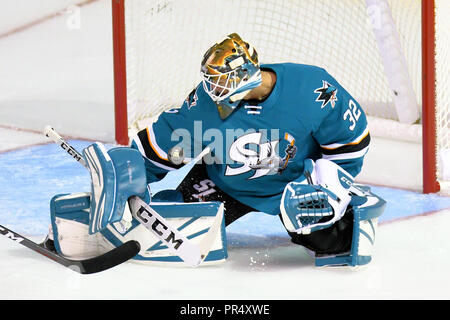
{"type": "Point", "coordinates": [319, 200]}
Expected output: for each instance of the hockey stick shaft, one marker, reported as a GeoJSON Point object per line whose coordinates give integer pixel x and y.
{"type": "Point", "coordinates": [52, 134]}
{"type": "Point", "coordinates": [108, 260]}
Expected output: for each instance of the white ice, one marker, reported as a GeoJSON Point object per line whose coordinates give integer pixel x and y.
{"type": "Point", "coordinates": [411, 261]}
{"type": "Point", "coordinates": [55, 74]}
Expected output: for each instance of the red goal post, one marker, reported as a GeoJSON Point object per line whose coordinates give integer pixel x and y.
{"type": "Point", "coordinates": [120, 72]}
{"type": "Point", "coordinates": [429, 141]}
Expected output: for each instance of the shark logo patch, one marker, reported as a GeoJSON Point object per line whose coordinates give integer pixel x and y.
{"type": "Point", "coordinates": [327, 94]}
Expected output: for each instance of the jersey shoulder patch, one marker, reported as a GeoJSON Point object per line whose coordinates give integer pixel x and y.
{"type": "Point", "coordinates": [192, 98]}
{"type": "Point", "coordinates": [327, 94]}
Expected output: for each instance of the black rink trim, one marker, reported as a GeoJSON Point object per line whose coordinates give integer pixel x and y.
{"type": "Point", "coordinates": [348, 148]}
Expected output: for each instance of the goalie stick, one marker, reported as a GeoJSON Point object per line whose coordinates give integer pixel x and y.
{"type": "Point", "coordinates": [103, 262]}
{"type": "Point", "coordinates": [190, 253]}
{"type": "Point", "coordinates": [52, 134]}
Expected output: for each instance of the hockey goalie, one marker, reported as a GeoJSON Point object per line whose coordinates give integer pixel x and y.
{"type": "Point", "coordinates": [281, 139]}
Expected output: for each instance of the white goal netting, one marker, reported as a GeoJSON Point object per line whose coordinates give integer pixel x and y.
{"type": "Point", "coordinates": [166, 39]}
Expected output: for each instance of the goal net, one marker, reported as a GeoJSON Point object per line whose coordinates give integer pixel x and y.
{"type": "Point", "coordinates": [372, 47]}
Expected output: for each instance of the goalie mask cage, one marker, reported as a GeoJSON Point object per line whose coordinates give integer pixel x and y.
{"type": "Point", "coordinates": [391, 55]}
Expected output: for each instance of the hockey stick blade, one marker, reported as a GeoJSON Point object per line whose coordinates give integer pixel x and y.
{"type": "Point", "coordinates": [111, 258]}
{"type": "Point", "coordinates": [93, 265]}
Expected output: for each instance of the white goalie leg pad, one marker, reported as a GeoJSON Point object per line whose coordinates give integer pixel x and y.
{"type": "Point", "coordinates": [191, 219]}
{"type": "Point", "coordinates": [365, 240]}
{"type": "Point", "coordinates": [70, 227]}
{"type": "Point", "coordinates": [366, 207]}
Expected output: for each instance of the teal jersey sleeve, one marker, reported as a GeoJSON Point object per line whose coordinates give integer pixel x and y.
{"type": "Point", "coordinates": [337, 121]}
{"type": "Point", "coordinates": [343, 135]}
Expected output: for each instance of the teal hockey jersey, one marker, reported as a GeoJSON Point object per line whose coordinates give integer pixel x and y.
{"type": "Point", "coordinates": [308, 114]}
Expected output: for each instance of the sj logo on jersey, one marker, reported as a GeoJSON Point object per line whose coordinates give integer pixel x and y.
{"type": "Point", "coordinates": [253, 154]}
